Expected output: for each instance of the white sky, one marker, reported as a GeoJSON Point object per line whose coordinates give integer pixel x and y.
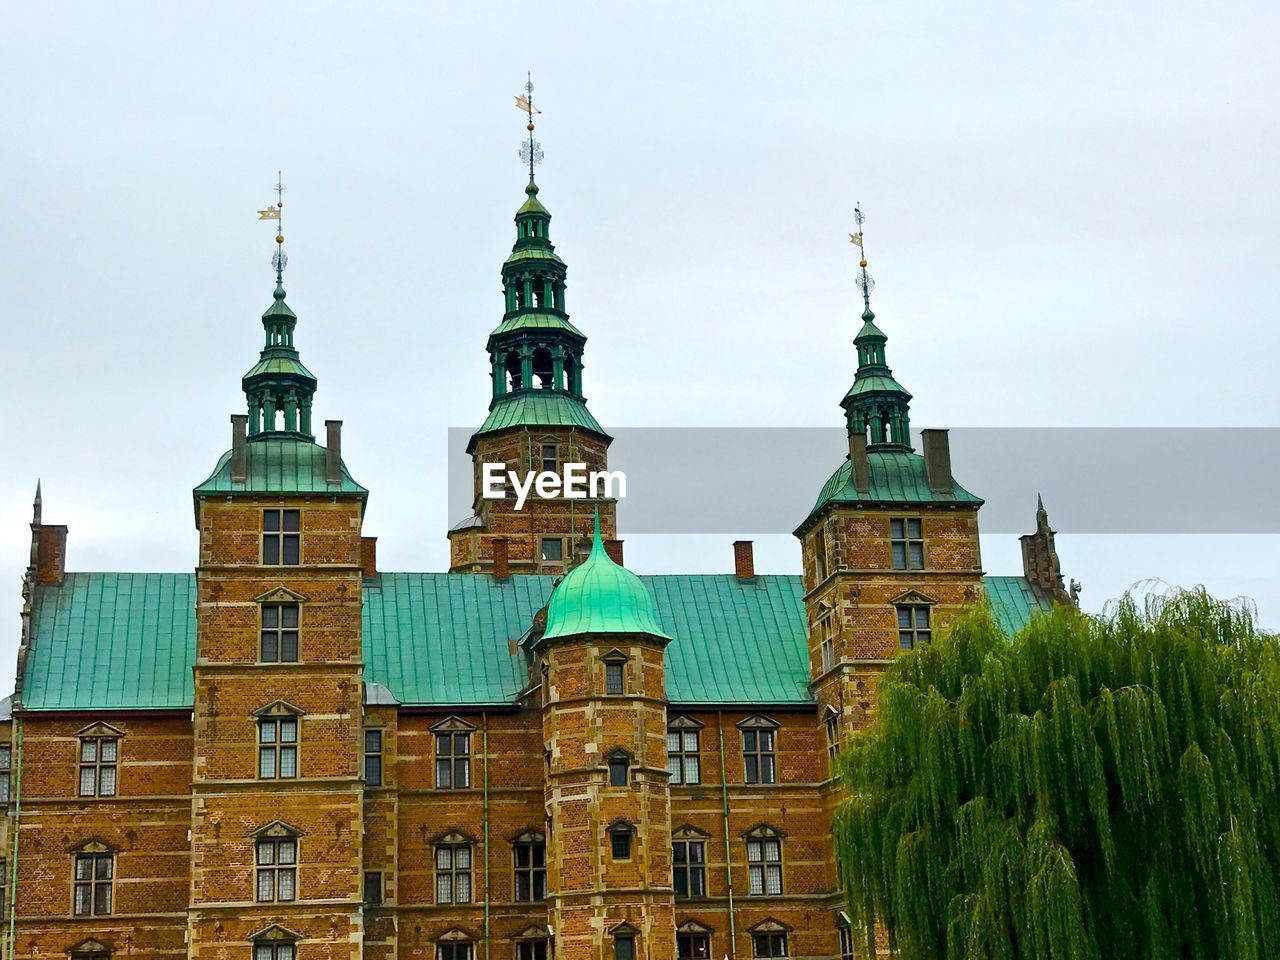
{"type": "Point", "coordinates": [1068, 219]}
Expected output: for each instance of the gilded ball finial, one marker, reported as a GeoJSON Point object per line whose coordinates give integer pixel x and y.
{"type": "Point", "coordinates": [862, 263]}
{"type": "Point", "coordinates": [529, 127]}
{"type": "Point", "coordinates": [279, 238]}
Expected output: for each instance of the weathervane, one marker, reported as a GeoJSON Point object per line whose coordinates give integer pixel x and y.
{"type": "Point", "coordinates": [279, 259]}
{"type": "Point", "coordinates": [531, 149]}
{"type": "Point", "coordinates": [865, 282]}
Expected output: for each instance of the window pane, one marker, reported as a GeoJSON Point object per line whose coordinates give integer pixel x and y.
{"type": "Point", "coordinates": [88, 781]}
{"type": "Point", "coordinates": [461, 773]}
{"type": "Point", "coordinates": [288, 852]}
{"type": "Point", "coordinates": [624, 948]}
{"type": "Point", "coordinates": [101, 898]}
{"type": "Point", "coordinates": [107, 783]}
{"type": "Point", "coordinates": [291, 550]}
{"type": "Point", "coordinates": [748, 740]}
{"type": "Point", "coordinates": [753, 850]}
{"type": "Point", "coordinates": [288, 731]}
{"type": "Point", "coordinates": [673, 767]}
{"type": "Point", "coordinates": [288, 761]}
{"type": "Point", "coordinates": [691, 741]}
{"type": "Point", "coordinates": [772, 850]}
{"type": "Point", "coordinates": [444, 888]}
{"type": "Point", "coordinates": [270, 647]}
{"type": "Point", "coordinates": [270, 616]}
{"type": "Point", "coordinates": [271, 550]}
{"type": "Point", "coordinates": [692, 770]}
{"type": "Point", "coordinates": [756, 886]}
{"type": "Point", "coordinates": [681, 880]}
{"type": "Point", "coordinates": [108, 751]}
{"type": "Point", "coordinates": [289, 646]}
{"type": "Point", "coordinates": [443, 768]}
{"type": "Point", "coordinates": [766, 741]}
{"type": "Point", "coordinates": [673, 741]}
{"type": "Point", "coordinates": [289, 615]}
{"type": "Point", "coordinates": [899, 556]}
{"type": "Point", "coordinates": [444, 745]}
{"type": "Point", "coordinates": [373, 771]}
{"type": "Point", "coordinates": [617, 773]}
{"type": "Point", "coordinates": [774, 878]}
{"type": "Point", "coordinates": [462, 858]}
{"type": "Point", "coordinates": [266, 762]}
{"type": "Point", "coordinates": [373, 888]}
{"type": "Point", "coordinates": [922, 616]}
{"type": "Point", "coordinates": [523, 887]}
{"type": "Point", "coordinates": [284, 884]}
{"type": "Point", "coordinates": [292, 521]}
{"type": "Point", "coordinates": [271, 520]}
{"type": "Point", "coordinates": [285, 951]}
{"type": "Point", "coordinates": [82, 899]}
{"type": "Point", "coordinates": [462, 888]}
{"type": "Point", "coordinates": [262, 951]}
{"type": "Point", "coordinates": [89, 750]}
{"type": "Point", "coordinates": [895, 529]}
{"type": "Point", "coordinates": [444, 858]}
{"type": "Point", "coordinates": [753, 770]}
{"type": "Point", "coordinates": [266, 885]}
{"type": "Point", "coordinates": [84, 868]}
{"type": "Point", "coordinates": [917, 556]}
{"type": "Point", "coordinates": [267, 731]}
{"type": "Point", "coordinates": [373, 741]}
{"type": "Point", "coordinates": [913, 529]}
{"type": "Point", "coordinates": [697, 882]}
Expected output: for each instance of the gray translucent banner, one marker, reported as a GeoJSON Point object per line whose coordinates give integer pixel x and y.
{"type": "Point", "coordinates": [763, 480]}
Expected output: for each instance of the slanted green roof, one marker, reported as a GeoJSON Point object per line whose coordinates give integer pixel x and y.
{"type": "Point", "coordinates": [536, 321]}
{"type": "Point", "coordinates": [599, 596]}
{"type": "Point", "coordinates": [127, 640]}
{"type": "Point", "coordinates": [1014, 601]}
{"type": "Point", "coordinates": [897, 476]}
{"type": "Point", "coordinates": [112, 640]}
{"type": "Point", "coordinates": [533, 253]}
{"type": "Point", "coordinates": [539, 408]}
{"type": "Point", "coordinates": [279, 465]}
{"type": "Point", "coordinates": [278, 366]}
{"type": "Point", "coordinates": [876, 383]}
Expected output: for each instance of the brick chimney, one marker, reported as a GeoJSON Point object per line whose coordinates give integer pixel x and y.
{"type": "Point", "coordinates": [858, 460]}
{"type": "Point", "coordinates": [937, 460]}
{"type": "Point", "coordinates": [239, 453]}
{"type": "Point", "coordinates": [1040, 564]}
{"type": "Point", "coordinates": [501, 558]}
{"type": "Point", "coordinates": [333, 451]}
{"type": "Point", "coordinates": [368, 557]}
{"type": "Point", "coordinates": [744, 563]}
{"type": "Point", "coordinates": [614, 549]}
{"type": "Point", "coordinates": [51, 553]}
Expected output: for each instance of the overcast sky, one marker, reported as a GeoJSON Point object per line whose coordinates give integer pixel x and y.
{"type": "Point", "coordinates": [1071, 219]}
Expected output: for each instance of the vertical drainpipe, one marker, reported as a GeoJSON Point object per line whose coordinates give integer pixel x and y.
{"type": "Point", "coordinates": [484, 735]}
{"type": "Point", "coordinates": [728, 853]}
{"type": "Point", "coordinates": [17, 816]}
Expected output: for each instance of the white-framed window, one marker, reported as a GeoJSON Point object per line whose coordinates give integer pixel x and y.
{"type": "Point", "coordinates": [453, 870]}
{"type": "Point", "coordinates": [764, 862]}
{"type": "Point", "coordinates": [684, 758]}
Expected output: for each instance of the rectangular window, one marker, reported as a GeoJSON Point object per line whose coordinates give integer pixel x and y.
{"type": "Point", "coordinates": [759, 762]}
{"type": "Point", "coordinates": [98, 766]}
{"type": "Point", "coordinates": [618, 769]}
{"type": "Point", "coordinates": [531, 871]}
{"type": "Point", "coordinates": [768, 945]}
{"type": "Point", "coordinates": [550, 458]}
{"type": "Point", "coordinates": [453, 873]}
{"type": "Point", "coordinates": [624, 947]}
{"type": "Point", "coordinates": [454, 951]}
{"type": "Point", "coordinates": [846, 943]}
{"type": "Point", "coordinates": [277, 869]}
{"type": "Point", "coordinates": [833, 739]}
{"type": "Point", "coordinates": [820, 556]}
{"type": "Point", "coordinates": [913, 627]}
{"type": "Point", "coordinates": [93, 872]}
{"type": "Point", "coordinates": [613, 679]}
{"type": "Point", "coordinates": [372, 888]}
{"type": "Point", "coordinates": [274, 951]}
{"type": "Point", "coordinates": [277, 748]}
{"type": "Point", "coordinates": [6, 770]}
{"type": "Point", "coordinates": [907, 544]}
{"type": "Point", "coordinates": [453, 761]}
{"type": "Point", "coordinates": [689, 868]}
{"type": "Point", "coordinates": [373, 758]}
{"type": "Point", "coordinates": [620, 844]}
{"type": "Point", "coordinates": [764, 867]}
{"type": "Point", "coordinates": [693, 946]}
{"type": "Point", "coordinates": [551, 549]}
{"type": "Point", "coordinates": [826, 628]}
{"type": "Point", "coordinates": [279, 633]}
{"type": "Point", "coordinates": [531, 950]}
{"type": "Point", "coordinates": [281, 538]}
{"type": "Point", "coordinates": [683, 760]}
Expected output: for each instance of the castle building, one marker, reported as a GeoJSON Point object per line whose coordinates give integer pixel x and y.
{"type": "Point", "coordinates": [292, 754]}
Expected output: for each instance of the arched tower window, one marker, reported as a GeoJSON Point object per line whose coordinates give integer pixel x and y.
{"type": "Point", "coordinates": [543, 378]}
{"type": "Point", "coordinates": [513, 371]}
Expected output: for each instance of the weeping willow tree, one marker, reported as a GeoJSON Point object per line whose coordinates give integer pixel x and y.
{"type": "Point", "coordinates": [1098, 788]}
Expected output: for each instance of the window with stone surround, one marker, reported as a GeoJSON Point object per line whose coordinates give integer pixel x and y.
{"type": "Point", "coordinates": [827, 636]}
{"type": "Point", "coordinates": [453, 869]}
{"type": "Point", "coordinates": [820, 555]}
{"type": "Point", "coordinates": [689, 863]}
{"type": "Point", "coordinates": [615, 673]}
{"type": "Point", "coordinates": [621, 837]}
{"type": "Point", "coordinates": [373, 888]}
{"type": "Point", "coordinates": [280, 632]}
{"type": "Point", "coordinates": [281, 538]}
{"type": "Point", "coordinates": [624, 942]}
{"type": "Point", "coordinates": [279, 727]}
{"type": "Point", "coordinates": [453, 753]}
{"type": "Point", "coordinates": [551, 550]}
{"type": "Point", "coordinates": [550, 457]}
{"type": "Point", "coordinates": [764, 862]}
{"type": "Point", "coordinates": [531, 949]}
{"type": "Point", "coordinates": [89, 950]}
{"type": "Point", "coordinates": [372, 757]}
{"type": "Point", "coordinates": [759, 745]}
{"type": "Point", "coordinates": [914, 626]}
{"type": "Point", "coordinates": [99, 757]}
{"type": "Point", "coordinates": [846, 941]}
{"type": "Point", "coordinates": [619, 762]}
{"type": "Point", "coordinates": [529, 859]}
{"type": "Point", "coordinates": [93, 873]}
{"type": "Point", "coordinates": [907, 543]}
{"type": "Point", "coordinates": [684, 762]}
{"type": "Point", "coordinates": [768, 945]}
{"type": "Point", "coordinates": [693, 941]}
{"type": "Point", "coordinates": [276, 857]}
{"type": "Point", "coordinates": [831, 720]}
{"type": "Point", "coordinates": [6, 772]}
{"type": "Point", "coordinates": [267, 950]}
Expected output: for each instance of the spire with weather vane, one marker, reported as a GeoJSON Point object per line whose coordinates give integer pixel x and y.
{"type": "Point", "coordinates": [876, 405]}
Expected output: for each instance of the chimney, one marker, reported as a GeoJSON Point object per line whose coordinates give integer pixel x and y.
{"type": "Point", "coordinates": [333, 451]}
{"type": "Point", "coordinates": [937, 460]}
{"type": "Point", "coordinates": [614, 549]}
{"type": "Point", "coordinates": [858, 459]}
{"type": "Point", "coordinates": [239, 455]}
{"type": "Point", "coordinates": [368, 557]}
{"type": "Point", "coordinates": [51, 553]}
{"type": "Point", "coordinates": [744, 563]}
{"type": "Point", "coordinates": [501, 562]}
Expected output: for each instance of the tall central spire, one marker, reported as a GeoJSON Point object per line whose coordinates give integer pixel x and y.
{"type": "Point", "coordinates": [876, 406]}
{"type": "Point", "coordinates": [278, 388]}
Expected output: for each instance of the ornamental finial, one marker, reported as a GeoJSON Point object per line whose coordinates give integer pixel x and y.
{"type": "Point", "coordinates": [531, 149]}
{"type": "Point", "coordinates": [279, 260]}
{"type": "Point", "coordinates": [865, 281]}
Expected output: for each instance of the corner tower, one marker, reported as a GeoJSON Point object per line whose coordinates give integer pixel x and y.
{"type": "Point", "coordinates": [890, 548]}
{"type": "Point", "coordinates": [538, 418]}
{"type": "Point", "coordinates": [277, 802]}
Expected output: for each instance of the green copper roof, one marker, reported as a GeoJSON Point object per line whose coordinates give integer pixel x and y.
{"type": "Point", "coordinates": [279, 465]}
{"type": "Point", "coordinates": [279, 365]}
{"type": "Point", "coordinates": [896, 477]}
{"type": "Point", "coordinates": [533, 253]}
{"type": "Point", "coordinates": [532, 204]}
{"type": "Point", "coordinates": [1014, 601]}
{"type": "Point", "coordinates": [104, 640]}
{"type": "Point", "coordinates": [876, 383]}
{"type": "Point", "coordinates": [869, 329]}
{"type": "Point", "coordinates": [598, 596]}
{"type": "Point", "coordinates": [536, 321]}
{"type": "Point", "coordinates": [539, 408]}
{"type": "Point", "coordinates": [128, 640]}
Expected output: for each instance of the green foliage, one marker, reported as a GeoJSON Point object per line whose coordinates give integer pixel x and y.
{"type": "Point", "coordinates": [1099, 788]}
